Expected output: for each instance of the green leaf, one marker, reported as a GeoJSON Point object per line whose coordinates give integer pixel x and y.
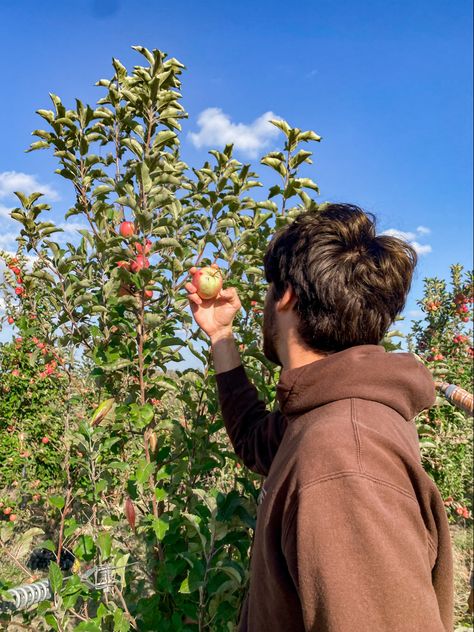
{"type": "Point", "coordinates": [121, 623]}
{"type": "Point", "coordinates": [160, 494]}
{"type": "Point", "coordinates": [282, 125]}
{"type": "Point", "coordinates": [104, 542]}
{"type": "Point", "coordinates": [102, 411]}
{"type": "Point", "coordinates": [85, 548]}
{"type": "Point", "coordinates": [57, 501]}
{"type": "Point", "coordinates": [51, 620]}
{"type": "Point", "coordinates": [55, 577]}
{"type": "Point", "coordinates": [184, 588]}
{"type": "Point", "coordinates": [121, 363]}
{"type": "Point", "coordinates": [144, 471]}
{"type": "Point", "coordinates": [167, 242]}
{"type": "Point", "coordinates": [275, 164]}
{"type": "Point", "coordinates": [87, 626]}
{"type": "Point", "coordinates": [310, 135]}
{"type": "Point", "coordinates": [308, 183]}
{"type": "Point", "coordinates": [160, 527]}
{"type": "Point", "coordinates": [299, 157]}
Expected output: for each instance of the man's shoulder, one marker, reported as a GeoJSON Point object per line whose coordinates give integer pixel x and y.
{"type": "Point", "coordinates": [351, 435]}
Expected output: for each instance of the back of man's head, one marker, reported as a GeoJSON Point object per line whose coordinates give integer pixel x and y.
{"type": "Point", "coordinates": [349, 283]}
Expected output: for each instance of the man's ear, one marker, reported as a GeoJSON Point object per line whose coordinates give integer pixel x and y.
{"type": "Point", "coordinates": [287, 300]}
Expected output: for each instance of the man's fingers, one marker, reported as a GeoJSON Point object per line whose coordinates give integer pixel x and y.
{"type": "Point", "coordinates": [191, 288]}
{"type": "Point", "coordinates": [230, 294]}
{"type": "Point", "coordinates": [195, 298]}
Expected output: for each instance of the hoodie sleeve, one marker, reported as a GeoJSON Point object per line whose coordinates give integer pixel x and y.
{"type": "Point", "coordinates": [254, 431]}
{"type": "Point", "coordinates": [360, 557]}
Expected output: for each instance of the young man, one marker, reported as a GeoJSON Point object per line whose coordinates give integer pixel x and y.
{"type": "Point", "coordinates": [351, 533]}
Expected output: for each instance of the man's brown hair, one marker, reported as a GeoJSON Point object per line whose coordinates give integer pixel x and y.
{"type": "Point", "coordinates": [349, 283]}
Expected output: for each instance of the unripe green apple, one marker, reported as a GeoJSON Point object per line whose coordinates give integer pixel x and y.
{"type": "Point", "coordinates": [208, 282]}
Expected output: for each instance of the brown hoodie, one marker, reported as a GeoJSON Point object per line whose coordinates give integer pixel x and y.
{"type": "Point", "coordinates": [351, 533]}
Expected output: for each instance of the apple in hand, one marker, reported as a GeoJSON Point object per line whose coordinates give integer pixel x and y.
{"type": "Point", "coordinates": [127, 229]}
{"type": "Point", "coordinates": [208, 282]}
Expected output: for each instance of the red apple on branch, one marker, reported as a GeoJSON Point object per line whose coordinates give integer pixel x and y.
{"type": "Point", "coordinates": [127, 229]}
{"type": "Point", "coordinates": [143, 250]}
{"type": "Point", "coordinates": [139, 263]}
{"type": "Point", "coordinates": [208, 282]}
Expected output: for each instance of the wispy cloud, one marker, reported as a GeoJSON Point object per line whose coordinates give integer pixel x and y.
{"type": "Point", "coordinates": [422, 230]}
{"type": "Point", "coordinates": [72, 227]}
{"type": "Point", "coordinates": [11, 181]}
{"type": "Point", "coordinates": [5, 211]}
{"type": "Point", "coordinates": [217, 129]}
{"type": "Point", "coordinates": [411, 238]}
{"type": "Point", "coordinates": [7, 240]}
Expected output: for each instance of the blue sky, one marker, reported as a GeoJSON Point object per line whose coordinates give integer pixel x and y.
{"type": "Point", "coordinates": [387, 84]}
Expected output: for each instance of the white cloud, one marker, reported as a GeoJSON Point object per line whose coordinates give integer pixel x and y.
{"type": "Point", "coordinates": [422, 230]}
{"type": "Point", "coordinates": [415, 313]}
{"type": "Point", "coordinates": [11, 181]}
{"type": "Point", "coordinates": [421, 249]}
{"type": "Point", "coordinates": [71, 227]}
{"type": "Point", "coordinates": [7, 240]}
{"type": "Point", "coordinates": [217, 129]}
{"type": "Point", "coordinates": [393, 232]}
{"type": "Point", "coordinates": [5, 211]}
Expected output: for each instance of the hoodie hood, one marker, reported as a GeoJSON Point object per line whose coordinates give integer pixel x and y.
{"type": "Point", "coordinates": [397, 380]}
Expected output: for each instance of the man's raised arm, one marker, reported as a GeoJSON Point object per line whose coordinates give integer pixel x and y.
{"type": "Point", "coordinates": [254, 431]}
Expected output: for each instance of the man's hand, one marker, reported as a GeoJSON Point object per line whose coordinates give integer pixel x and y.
{"type": "Point", "coordinates": [214, 316]}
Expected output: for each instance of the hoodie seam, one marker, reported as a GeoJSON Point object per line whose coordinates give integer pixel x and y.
{"type": "Point", "coordinates": [346, 473]}
{"type": "Point", "coordinates": [355, 428]}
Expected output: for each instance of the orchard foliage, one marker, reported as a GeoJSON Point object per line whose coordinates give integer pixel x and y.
{"type": "Point", "coordinates": [149, 477]}
{"type": "Point", "coordinates": [443, 340]}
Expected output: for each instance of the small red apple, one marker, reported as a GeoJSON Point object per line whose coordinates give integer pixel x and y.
{"type": "Point", "coordinates": [7, 511]}
{"type": "Point", "coordinates": [127, 229]}
{"type": "Point", "coordinates": [13, 517]}
{"type": "Point", "coordinates": [19, 291]}
{"type": "Point", "coordinates": [11, 320]}
{"type": "Point", "coordinates": [148, 293]}
{"type": "Point", "coordinates": [143, 250]}
{"type": "Point", "coordinates": [208, 282]}
{"type": "Point", "coordinates": [45, 440]}
{"type": "Point", "coordinates": [139, 263]}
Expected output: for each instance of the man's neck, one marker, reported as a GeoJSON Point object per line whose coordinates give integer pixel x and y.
{"type": "Point", "coordinates": [295, 356]}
